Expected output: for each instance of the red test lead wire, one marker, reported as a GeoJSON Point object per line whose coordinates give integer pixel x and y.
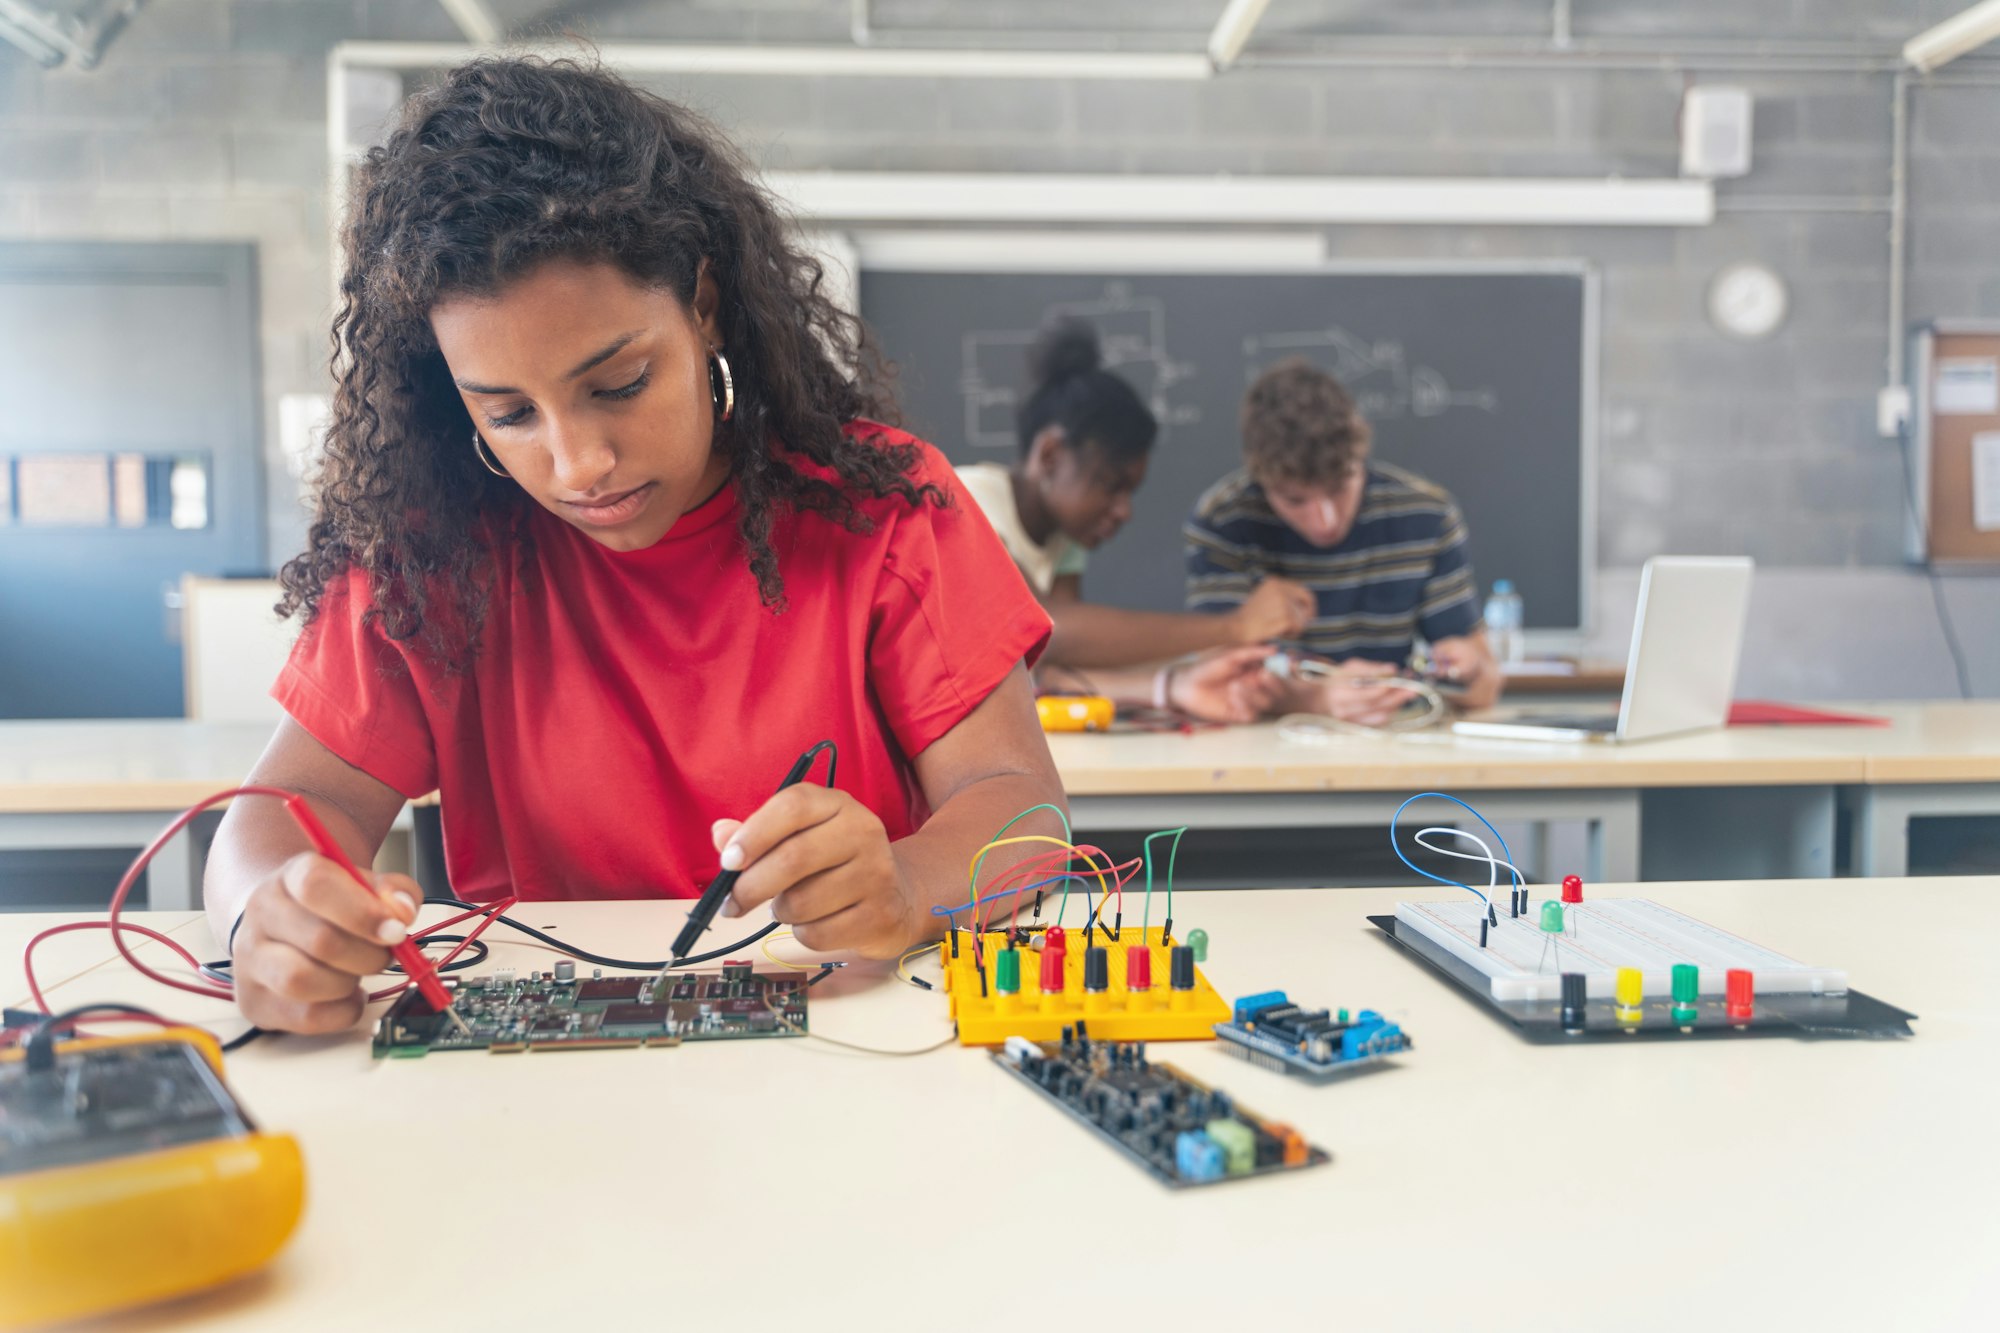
{"type": "Point", "coordinates": [415, 966]}
{"type": "Point", "coordinates": [418, 969]}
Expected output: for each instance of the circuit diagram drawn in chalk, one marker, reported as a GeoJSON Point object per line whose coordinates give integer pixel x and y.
{"type": "Point", "coordinates": [1379, 375]}
{"type": "Point", "coordinates": [1133, 333]}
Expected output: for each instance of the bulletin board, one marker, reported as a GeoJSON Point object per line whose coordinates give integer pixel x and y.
{"type": "Point", "coordinates": [1955, 444]}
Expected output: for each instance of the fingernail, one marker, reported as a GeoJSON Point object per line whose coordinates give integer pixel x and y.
{"type": "Point", "coordinates": [729, 907]}
{"type": "Point", "coordinates": [409, 903]}
{"type": "Point", "coordinates": [732, 856]}
{"type": "Point", "coordinates": [392, 931]}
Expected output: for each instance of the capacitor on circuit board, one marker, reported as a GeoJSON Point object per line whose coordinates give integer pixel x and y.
{"type": "Point", "coordinates": [1687, 989]}
{"type": "Point", "coordinates": [1054, 949]}
{"type": "Point", "coordinates": [1572, 1001]}
{"type": "Point", "coordinates": [1630, 993]}
{"type": "Point", "coordinates": [1138, 968]}
{"type": "Point", "coordinates": [1180, 977]}
{"type": "Point", "coordinates": [1007, 972]}
{"type": "Point", "coordinates": [1740, 995]}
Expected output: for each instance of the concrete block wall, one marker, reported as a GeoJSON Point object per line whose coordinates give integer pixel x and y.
{"type": "Point", "coordinates": [206, 121]}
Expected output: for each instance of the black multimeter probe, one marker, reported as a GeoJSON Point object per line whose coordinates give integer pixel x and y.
{"type": "Point", "coordinates": [718, 888]}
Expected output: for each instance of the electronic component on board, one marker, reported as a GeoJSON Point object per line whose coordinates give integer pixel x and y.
{"type": "Point", "coordinates": [1630, 967]}
{"type": "Point", "coordinates": [1269, 1030]}
{"type": "Point", "coordinates": [1740, 995]}
{"type": "Point", "coordinates": [1179, 1129]}
{"type": "Point", "coordinates": [551, 1012]}
{"type": "Point", "coordinates": [993, 997]}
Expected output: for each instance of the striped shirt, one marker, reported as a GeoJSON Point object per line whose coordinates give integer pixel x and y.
{"type": "Point", "coordinates": [1402, 571]}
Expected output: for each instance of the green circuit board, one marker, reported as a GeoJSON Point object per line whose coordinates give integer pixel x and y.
{"type": "Point", "coordinates": [542, 1011]}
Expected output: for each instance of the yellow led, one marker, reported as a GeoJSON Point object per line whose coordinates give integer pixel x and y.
{"type": "Point", "coordinates": [1631, 987]}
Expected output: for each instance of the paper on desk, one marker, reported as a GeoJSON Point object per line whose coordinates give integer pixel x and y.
{"type": "Point", "coordinates": [1986, 480]}
{"type": "Point", "coordinates": [1966, 386]}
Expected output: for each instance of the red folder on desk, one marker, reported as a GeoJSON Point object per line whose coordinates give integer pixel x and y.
{"type": "Point", "coordinates": [1763, 713]}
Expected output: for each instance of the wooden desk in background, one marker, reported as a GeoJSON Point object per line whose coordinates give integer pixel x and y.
{"type": "Point", "coordinates": [1768, 792]}
{"type": "Point", "coordinates": [66, 785]}
{"type": "Point", "coordinates": [1938, 759]}
{"type": "Point", "coordinates": [69, 785]}
{"type": "Point", "coordinates": [1637, 1185]}
{"type": "Point", "coordinates": [1247, 777]}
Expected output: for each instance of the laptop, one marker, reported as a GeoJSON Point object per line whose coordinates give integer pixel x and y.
{"type": "Point", "coordinates": [1681, 673]}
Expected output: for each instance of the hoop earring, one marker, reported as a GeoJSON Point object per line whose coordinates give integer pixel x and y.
{"type": "Point", "coordinates": [481, 450]}
{"type": "Point", "coordinates": [724, 398]}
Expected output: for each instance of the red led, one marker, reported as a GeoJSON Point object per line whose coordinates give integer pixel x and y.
{"type": "Point", "coordinates": [1052, 959]}
{"type": "Point", "coordinates": [1572, 888]}
{"type": "Point", "coordinates": [1138, 968]}
{"type": "Point", "coordinates": [1741, 997]}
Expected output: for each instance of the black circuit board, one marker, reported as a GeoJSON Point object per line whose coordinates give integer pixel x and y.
{"type": "Point", "coordinates": [1142, 1108]}
{"type": "Point", "coordinates": [112, 1101]}
{"type": "Point", "coordinates": [544, 1012]}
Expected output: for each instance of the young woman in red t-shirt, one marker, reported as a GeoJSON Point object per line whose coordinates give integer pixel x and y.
{"type": "Point", "coordinates": [605, 539]}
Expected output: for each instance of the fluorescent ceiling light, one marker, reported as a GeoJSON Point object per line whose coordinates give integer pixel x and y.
{"type": "Point", "coordinates": [1025, 251]}
{"type": "Point", "coordinates": [1967, 30]}
{"type": "Point", "coordinates": [474, 19]}
{"type": "Point", "coordinates": [887, 196]}
{"type": "Point", "coordinates": [1233, 29]}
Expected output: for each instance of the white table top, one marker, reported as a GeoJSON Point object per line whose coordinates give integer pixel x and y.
{"type": "Point", "coordinates": [1486, 1181]}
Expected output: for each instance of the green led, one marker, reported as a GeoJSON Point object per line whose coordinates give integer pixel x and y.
{"type": "Point", "coordinates": [1197, 940]}
{"type": "Point", "coordinates": [1007, 974]}
{"type": "Point", "coordinates": [1552, 917]}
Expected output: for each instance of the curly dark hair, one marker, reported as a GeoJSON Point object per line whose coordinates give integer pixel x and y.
{"type": "Point", "coordinates": [1300, 426]}
{"type": "Point", "coordinates": [506, 164]}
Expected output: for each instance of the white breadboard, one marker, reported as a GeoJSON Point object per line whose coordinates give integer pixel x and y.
{"type": "Point", "coordinates": [1599, 937]}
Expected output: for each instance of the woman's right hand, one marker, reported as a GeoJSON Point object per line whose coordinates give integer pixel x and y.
{"type": "Point", "coordinates": [1277, 609]}
{"type": "Point", "coordinates": [307, 937]}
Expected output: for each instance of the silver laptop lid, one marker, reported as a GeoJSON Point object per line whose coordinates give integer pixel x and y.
{"type": "Point", "coordinates": [1686, 641]}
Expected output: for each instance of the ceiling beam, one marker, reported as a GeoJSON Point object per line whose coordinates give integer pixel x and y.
{"type": "Point", "coordinates": [859, 62]}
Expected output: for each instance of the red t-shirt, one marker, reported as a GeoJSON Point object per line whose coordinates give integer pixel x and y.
{"type": "Point", "coordinates": [621, 702]}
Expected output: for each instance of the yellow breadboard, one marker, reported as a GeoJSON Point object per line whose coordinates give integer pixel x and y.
{"type": "Point", "coordinates": [1117, 1014]}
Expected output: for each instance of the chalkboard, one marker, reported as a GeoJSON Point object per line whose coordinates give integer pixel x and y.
{"type": "Point", "coordinates": [1477, 379]}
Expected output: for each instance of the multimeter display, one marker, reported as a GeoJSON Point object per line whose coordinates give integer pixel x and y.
{"type": "Point", "coordinates": [121, 1100]}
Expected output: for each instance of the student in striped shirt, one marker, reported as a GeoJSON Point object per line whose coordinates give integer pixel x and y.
{"type": "Point", "coordinates": [1382, 549]}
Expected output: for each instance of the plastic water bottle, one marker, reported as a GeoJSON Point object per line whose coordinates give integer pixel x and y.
{"type": "Point", "coordinates": [1504, 631]}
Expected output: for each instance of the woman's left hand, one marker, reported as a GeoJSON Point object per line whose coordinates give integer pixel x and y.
{"type": "Point", "coordinates": [823, 862]}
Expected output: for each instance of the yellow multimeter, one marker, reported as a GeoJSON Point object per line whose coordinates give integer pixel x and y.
{"type": "Point", "coordinates": [1075, 712]}
{"type": "Point", "coordinates": [129, 1174]}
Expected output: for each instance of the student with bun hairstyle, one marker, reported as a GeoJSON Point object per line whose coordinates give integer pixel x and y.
{"type": "Point", "coordinates": [607, 534]}
{"type": "Point", "coordinates": [1085, 441]}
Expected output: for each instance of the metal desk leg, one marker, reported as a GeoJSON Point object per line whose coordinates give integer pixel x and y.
{"type": "Point", "coordinates": [1614, 840]}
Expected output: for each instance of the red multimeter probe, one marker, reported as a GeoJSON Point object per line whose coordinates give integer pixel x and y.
{"type": "Point", "coordinates": [411, 958]}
